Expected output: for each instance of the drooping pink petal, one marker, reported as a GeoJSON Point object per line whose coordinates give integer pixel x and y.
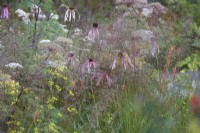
{"type": "Point", "coordinates": [109, 80]}
{"type": "Point", "coordinates": [99, 78]}
{"type": "Point", "coordinates": [113, 66]}
{"type": "Point", "coordinates": [93, 34]}
{"type": "Point", "coordinates": [123, 62]}
{"type": "Point", "coordinates": [130, 63]}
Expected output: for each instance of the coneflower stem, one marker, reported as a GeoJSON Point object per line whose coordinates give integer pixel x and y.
{"type": "Point", "coordinates": [70, 25]}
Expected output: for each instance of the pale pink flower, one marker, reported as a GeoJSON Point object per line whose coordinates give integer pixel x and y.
{"type": "Point", "coordinates": [131, 1]}
{"type": "Point", "coordinates": [113, 66]}
{"type": "Point", "coordinates": [89, 65]}
{"type": "Point", "coordinates": [153, 47]}
{"type": "Point", "coordinates": [94, 32]}
{"type": "Point", "coordinates": [5, 12]}
{"type": "Point", "coordinates": [71, 60]}
{"type": "Point", "coordinates": [141, 1]}
{"type": "Point", "coordinates": [70, 14]}
{"type": "Point", "coordinates": [101, 77]}
{"type": "Point", "coordinates": [157, 8]}
{"type": "Point", "coordinates": [124, 60]}
{"type": "Point", "coordinates": [123, 1]}
{"type": "Point", "coordinates": [109, 80]}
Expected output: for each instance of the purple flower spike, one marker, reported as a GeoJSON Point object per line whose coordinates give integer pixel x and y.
{"type": "Point", "coordinates": [5, 12]}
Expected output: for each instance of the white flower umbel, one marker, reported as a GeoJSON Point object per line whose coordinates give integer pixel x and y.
{"type": "Point", "coordinates": [144, 2]}
{"type": "Point", "coordinates": [42, 16]}
{"type": "Point", "coordinates": [14, 65]}
{"type": "Point", "coordinates": [71, 14]}
{"type": "Point", "coordinates": [22, 14]}
{"type": "Point", "coordinates": [51, 63]}
{"type": "Point", "coordinates": [45, 41]}
{"type": "Point", "coordinates": [54, 64]}
{"type": "Point", "coordinates": [147, 12]}
{"type": "Point", "coordinates": [54, 16]}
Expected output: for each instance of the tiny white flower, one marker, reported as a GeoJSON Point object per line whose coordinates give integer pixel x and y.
{"type": "Point", "coordinates": [194, 84]}
{"type": "Point", "coordinates": [14, 65]}
{"type": "Point", "coordinates": [1, 46]}
{"type": "Point", "coordinates": [66, 30]}
{"type": "Point", "coordinates": [77, 32]}
{"type": "Point", "coordinates": [51, 63]}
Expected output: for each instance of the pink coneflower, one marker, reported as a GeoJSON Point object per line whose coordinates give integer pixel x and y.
{"type": "Point", "coordinates": [124, 60]}
{"type": "Point", "coordinates": [89, 65]}
{"type": "Point", "coordinates": [5, 12]}
{"type": "Point", "coordinates": [71, 59]}
{"type": "Point", "coordinates": [101, 77]}
{"type": "Point", "coordinates": [94, 32]}
{"type": "Point", "coordinates": [71, 14]}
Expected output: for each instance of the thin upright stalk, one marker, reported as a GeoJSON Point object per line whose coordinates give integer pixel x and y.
{"type": "Point", "coordinates": [70, 25]}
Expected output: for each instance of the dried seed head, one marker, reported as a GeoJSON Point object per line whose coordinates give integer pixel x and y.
{"type": "Point", "coordinates": [95, 25]}
{"type": "Point", "coordinates": [71, 55]}
{"type": "Point", "coordinates": [91, 60]}
{"type": "Point", "coordinates": [50, 49]}
{"type": "Point", "coordinates": [120, 54]}
{"type": "Point", "coordinates": [5, 5]}
{"type": "Point", "coordinates": [71, 8]}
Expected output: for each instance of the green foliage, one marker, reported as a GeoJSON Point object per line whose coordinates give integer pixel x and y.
{"type": "Point", "coordinates": [140, 113]}
{"type": "Point", "coordinates": [141, 108]}
{"type": "Point", "coordinates": [36, 109]}
{"type": "Point", "coordinates": [9, 91]}
{"type": "Point", "coordinates": [50, 29]}
{"type": "Point", "coordinates": [46, 6]}
{"type": "Point", "coordinates": [191, 63]}
{"type": "Point", "coordinates": [185, 8]}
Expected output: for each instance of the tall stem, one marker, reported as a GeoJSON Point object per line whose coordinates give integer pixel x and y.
{"type": "Point", "coordinates": [70, 25]}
